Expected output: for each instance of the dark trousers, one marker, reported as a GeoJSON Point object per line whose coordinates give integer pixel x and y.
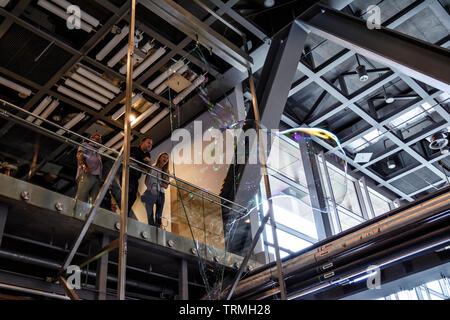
{"type": "Point", "coordinates": [88, 188]}
{"type": "Point", "coordinates": [150, 200]}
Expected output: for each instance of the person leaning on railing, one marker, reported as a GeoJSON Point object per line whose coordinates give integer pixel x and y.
{"type": "Point", "coordinates": [141, 154]}
{"type": "Point", "coordinates": [89, 171]}
{"type": "Point", "coordinates": [155, 193]}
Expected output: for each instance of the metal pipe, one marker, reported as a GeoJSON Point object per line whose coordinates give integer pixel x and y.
{"type": "Point", "coordinates": [355, 267]}
{"type": "Point", "coordinates": [33, 291]}
{"type": "Point", "coordinates": [309, 274]}
{"type": "Point", "coordinates": [126, 160]}
{"type": "Point", "coordinates": [46, 245]}
{"type": "Point", "coordinates": [6, 254]}
{"type": "Point", "coordinates": [381, 264]}
{"type": "Point", "coordinates": [351, 240]}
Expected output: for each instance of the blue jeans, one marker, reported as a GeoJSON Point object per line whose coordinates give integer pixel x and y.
{"type": "Point", "coordinates": [150, 200]}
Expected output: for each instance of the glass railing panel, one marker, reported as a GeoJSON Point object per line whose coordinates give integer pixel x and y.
{"type": "Point", "coordinates": [48, 158]}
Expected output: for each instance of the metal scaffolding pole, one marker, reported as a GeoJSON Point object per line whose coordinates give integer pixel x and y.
{"type": "Point", "coordinates": [121, 278]}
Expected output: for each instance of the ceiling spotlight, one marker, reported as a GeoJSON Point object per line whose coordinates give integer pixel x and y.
{"type": "Point", "coordinates": [439, 141]}
{"type": "Point", "coordinates": [388, 98]}
{"type": "Point", "coordinates": [391, 164]}
{"type": "Point", "coordinates": [362, 73]}
{"type": "Point", "coordinates": [269, 3]}
{"type": "Point", "coordinates": [132, 117]}
{"type": "Point", "coordinates": [361, 70]}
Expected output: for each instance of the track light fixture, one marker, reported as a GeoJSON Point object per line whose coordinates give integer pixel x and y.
{"type": "Point", "coordinates": [439, 141]}
{"type": "Point", "coordinates": [388, 98]}
{"type": "Point", "coordinates": [391, 164]}
{"type": "Point", "coordinates": [361, 70]}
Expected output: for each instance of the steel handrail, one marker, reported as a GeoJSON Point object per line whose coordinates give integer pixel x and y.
{"type": "Point", "coordinates": [101, 146]}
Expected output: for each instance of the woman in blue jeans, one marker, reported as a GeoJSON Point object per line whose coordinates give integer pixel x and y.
{"type": "Point", "coordinates": [155, 193]}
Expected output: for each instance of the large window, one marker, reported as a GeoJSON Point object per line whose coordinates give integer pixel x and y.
{"type": "Point", "coordinates": [379, 203]}
{"type": "Point", "coordinates": [296, 224]}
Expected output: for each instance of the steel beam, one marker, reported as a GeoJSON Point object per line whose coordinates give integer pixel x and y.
{"type": "Point", "coordinates": [102, 270]}
{"type": "Point", "coordinates": [278, 73]}
{"type": "Point", "coordinates": [316, 190]}
{"type": "Point", "coordinates": [424, 62]}
{"type": "Point", "coordinates": [183, 20]}
{"type": "Point", "coordinates": [272, 92]}
{"type": "Point", "coordinates": [241, 20]}
{"type": "Point", "coordinates": [338, 4]}
{"type": "Point", "coordinates": [183, 283]}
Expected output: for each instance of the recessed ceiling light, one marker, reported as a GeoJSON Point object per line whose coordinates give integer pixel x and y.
{"type": "Point", "coordinates": [269, 3]}
{"type": "Point", "coordinates": [391, 164]}
{"type": "Point", "coordinates": [389, 99]}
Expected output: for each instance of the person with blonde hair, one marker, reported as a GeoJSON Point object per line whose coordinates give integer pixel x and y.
{"type": "Point", "coordinates": [156, 183]}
